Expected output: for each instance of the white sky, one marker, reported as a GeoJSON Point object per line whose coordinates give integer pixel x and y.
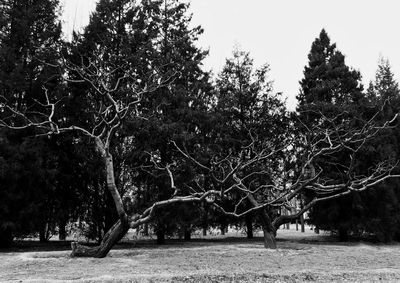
{"type": "Point", "coordinates": [280, 32]}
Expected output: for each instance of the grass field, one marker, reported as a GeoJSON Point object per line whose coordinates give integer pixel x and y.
{"type": "Point", "coordinates": [299, 257]}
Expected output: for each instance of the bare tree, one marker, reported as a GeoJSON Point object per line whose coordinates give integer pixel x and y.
{"type": "Point", "coordinates": [269, 188]}
{"type": "Point", "coordinates": [243, 174]}
{"type": "Point", "coordinates": [114, 101]}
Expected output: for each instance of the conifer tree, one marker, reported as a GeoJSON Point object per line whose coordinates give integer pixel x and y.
{"type": "Point", "coordinates": [249, 113]}
{"type": "Point", "coordinates": [384, 86]}
{"type": "Point", "coordinates": [327, 78]}
{"type": "Point", "coordinates": [177, 112]}
{"type": "Point", "coordinates": [381, 206]}
{"type": "Point", "coordinates": [30, 37]}
{"type": "Point", "coordinates": [142, 38]}
{"type": "Point", "coordinates": [330, 88]}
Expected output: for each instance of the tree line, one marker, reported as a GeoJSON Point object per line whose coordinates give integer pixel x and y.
{"type": "Point", "coordinates": [123, 128]}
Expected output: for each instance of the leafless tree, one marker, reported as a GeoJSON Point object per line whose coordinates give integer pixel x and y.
{"type": "Point", "coordinates": [113, 107]}
{"type": "Point", "coordinates": [229, 174]}
{"type": "Point", "coordinates": [269, 188]}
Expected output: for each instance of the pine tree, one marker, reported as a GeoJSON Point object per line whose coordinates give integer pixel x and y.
{"type": "Point", "coordinates": [105, 44]}
{"type": "Point", "coordinates": [141, 39]}
{"type": "Point", "coordinates": [385, 87]}
{"type": "Point", "coordinates": [177, 112]}
{"type": "Point", "coordinates": [30, 36]}
{"type": "Point", "coordinates": [245, 99]}
{"type": "Point", "coordinates": [381, 206]}
{"type": "Point", "coordinates": [241, 91]}
{"type": "Point", "coordinates": [332, 89]}
{"type": "Point", "coordinates": [31, 39]}
{"type": "Point", "coordinates": [249, 113]}
{"type": "Point", "coordinates": [327, 78]}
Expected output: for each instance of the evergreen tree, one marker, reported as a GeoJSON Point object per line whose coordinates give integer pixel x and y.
{"type": "Point", "coordinates": [250, 116]}
{"type": "Point", "coordinates": [177, 112]}
{"type": "Point", "coordinates": [327, 78]}
{"type": "Point", "coordinates": [381, 207]}
{"type": "Point", "coordinates": [246, 102]}
{"type": "Point", "coordinates": [384, 86]}
{"type": "Point", "coordinates": [31, 38]}
{"type": "Point", "coordinates": [29, 41]}
{"type": "Point", "coordinates": [330, 88]}
{"type": "Point", "coordinates": [105, 43]}
{"type": "Point", "coordinates": [141, 39]}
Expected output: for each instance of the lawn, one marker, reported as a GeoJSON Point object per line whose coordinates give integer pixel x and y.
{"type": "Point", "coordinates": [299, 257]}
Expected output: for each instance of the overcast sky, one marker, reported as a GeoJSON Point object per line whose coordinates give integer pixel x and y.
{"type": "Point", "coordinates": [281, 32]}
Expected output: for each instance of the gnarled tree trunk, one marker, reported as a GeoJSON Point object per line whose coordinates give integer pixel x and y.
{"type": "Point", "coordinates": [269, 230]}
{"type": "Point", "coordinates": [119, 229]}
{"type": "Point", "coordinates": [113, 236]}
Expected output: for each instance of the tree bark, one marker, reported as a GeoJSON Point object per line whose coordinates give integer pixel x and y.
{"type": "Point", "coordinates": [120, 228]}
{"type": "Point", "coordinates": [287, 212]}
{"type": "Point", "coordinates": [113, 236]}
{"type": "Point", "coordinates": [249, 226]}
{"type": "Point", "coordinates": [62, 223]}
{"type": "Point", "coordinates": [269, 230]}
{"type": "Point", "coordinates": [146, 229]}
{"type": "Point", "coordinates": [62, 233]}
{"type": "Point", "coordinates": [269, 240]}
{"type": "Point", "coordinates": [303, 230]}
{"type": "Point", "coordinates": [109, 212]}
{"type": "Point", "coordinates": [43, 233]}
{"type": "Point", "coordinates": [205, 220]}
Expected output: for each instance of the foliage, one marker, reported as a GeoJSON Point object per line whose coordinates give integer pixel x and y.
{"type": "Point", "coordinates": [174, 112]}
{"type": "Point", "coordinates": [248, 112]}
{"type": "Point", "coordinates": [30, 34]}
{"type": "Point", "coordinates": [327, 79]}
{"type": "Point", "coordinates": [147, 136]}
{"type": "Point", "coordinates": [330, 87]}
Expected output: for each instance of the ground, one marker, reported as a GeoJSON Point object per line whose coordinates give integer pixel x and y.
{"type": "Point", "coordinates": [300, 257]}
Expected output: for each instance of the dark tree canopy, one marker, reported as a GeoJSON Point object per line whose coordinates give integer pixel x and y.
{"type": "Point", "coordinates": [330, 87]}
{"type": "Point", "coordinates": [123, 128]}
{"type": "Point", "coordinates": [327, 78]}
{"type": "Point", "coordinates": [30, 35]}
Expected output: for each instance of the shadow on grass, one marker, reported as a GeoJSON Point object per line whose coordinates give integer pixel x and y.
{"type": "Point", "coordinates": [283, 243]}
{"type": "Point", "coordinates": [36, 246]}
